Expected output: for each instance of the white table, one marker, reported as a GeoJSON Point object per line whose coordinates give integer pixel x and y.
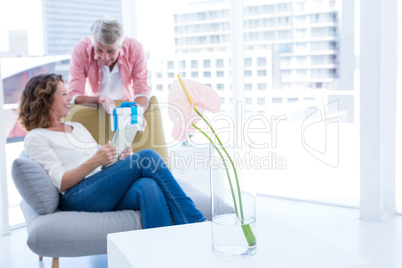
{"type": "Point", "coordinates": [278, 245]}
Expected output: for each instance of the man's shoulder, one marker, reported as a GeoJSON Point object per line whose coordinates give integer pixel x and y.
{"type": "Point", "coordinates": [130, 41]}
{"type": "Point", "coordinates": [131, 45]}
{"type": "Point", "coordinates": [85, 41]}
{"type": "Point", "coordinates": [84, 46]}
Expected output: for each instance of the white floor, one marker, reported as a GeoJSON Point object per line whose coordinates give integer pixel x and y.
{"type": "Point", "coordinates": [378, 242]}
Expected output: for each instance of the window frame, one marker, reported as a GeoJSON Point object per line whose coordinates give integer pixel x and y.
{"type": "Point", "coordinates": [4, 216]}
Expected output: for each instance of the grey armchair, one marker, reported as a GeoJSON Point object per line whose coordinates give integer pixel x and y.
{"type": "Point", "coordinates": [55, 233]}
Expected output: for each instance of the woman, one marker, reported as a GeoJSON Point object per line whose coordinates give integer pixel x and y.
{"type": "Point", "coordinates": [108, 66]}
{"type": "Point", "coordinates": [73, 160]}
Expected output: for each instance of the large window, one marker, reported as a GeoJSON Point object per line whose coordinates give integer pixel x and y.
{"type": "Point", "coordinates": [298, 77]}
{"type": "Point", "coordinates": [298, 62]}
{"type": "Point", "coordinates": [311, 147]}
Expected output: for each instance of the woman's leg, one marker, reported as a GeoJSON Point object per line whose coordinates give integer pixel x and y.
{"type": "Point", "coordinates": [151, 165]}
{"type": "Point", "coordinates": [145, 195]}
{"type": "Point", "coordinates": [104, 190]}
{"type": "Point", "coordinates": [101, 191]}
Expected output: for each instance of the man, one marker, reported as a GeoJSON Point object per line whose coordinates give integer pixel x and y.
{"type": "Point", "coordinates": [108, 66]}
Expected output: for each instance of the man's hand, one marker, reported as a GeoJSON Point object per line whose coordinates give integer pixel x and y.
{"type": "Point", "coordinates": [106, 102]}
{"type": "Point", "coordinates": [141, 120]}
{"type": "Point", "coordinates": [143, 102]}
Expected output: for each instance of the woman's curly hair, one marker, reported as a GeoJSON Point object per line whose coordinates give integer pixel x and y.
{"type": "Point", "coordinates": [36, 100]}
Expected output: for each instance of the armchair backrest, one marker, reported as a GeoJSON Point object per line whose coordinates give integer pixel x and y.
{"type": "Point", "coordinates": [97, 121]}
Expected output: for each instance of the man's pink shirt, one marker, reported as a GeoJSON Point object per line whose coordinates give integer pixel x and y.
{"type": "Point", "coordinates": [85, 76]}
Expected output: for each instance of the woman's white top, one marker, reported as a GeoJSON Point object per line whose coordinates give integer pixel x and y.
{"type": "Point", "coordinates": [58, 152]}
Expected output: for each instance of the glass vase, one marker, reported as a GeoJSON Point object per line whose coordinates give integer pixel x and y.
{"type": "Point", "coordinates": [233, 205]}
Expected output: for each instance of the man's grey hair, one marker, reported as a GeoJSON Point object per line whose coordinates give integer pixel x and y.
{"type": "Point", "coordinates": [108, 32]}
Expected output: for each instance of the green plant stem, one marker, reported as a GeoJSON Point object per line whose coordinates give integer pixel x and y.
{"type": "Point", "coordinates": [249, 235]}
{"type": "Point", "coordinates": [231, 162]}
{"type": "Point", "coordinates": [226, 168]}
{"type": "Point", "coordinates": [246, 228]}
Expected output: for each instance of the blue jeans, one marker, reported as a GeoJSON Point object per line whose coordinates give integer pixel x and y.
{"type": "Point", "coordinates": [141, 181]}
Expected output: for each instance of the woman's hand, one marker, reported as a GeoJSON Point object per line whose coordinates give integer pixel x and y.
{"type": "Point", "coordinates": [106, 154]}
{"type": "Point", "coordinates": [106, 102]}
{"type": "Point", "coordinates": [126, 153]}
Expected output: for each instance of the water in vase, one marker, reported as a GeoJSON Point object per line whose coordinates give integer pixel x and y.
{"type": "Point", "coordinates": [228, 239]}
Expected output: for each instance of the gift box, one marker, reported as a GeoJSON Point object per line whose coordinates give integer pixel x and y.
{"type": "Point", "coordinates": [127, 114]}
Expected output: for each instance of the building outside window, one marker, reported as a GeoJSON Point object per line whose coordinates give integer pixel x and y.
{"type": "Point", "coordinates": [194, 64]}
{"type": "Point", "coordinates": [170, 64]}
{"type": "Point", "coordinates": [247, 62]}
{"type": "Point", "coordinates": [207, 63]}
{"type": "Point", "coordinates": [262, 86]}
{"type": "Point", "coordinates": [207, 74]}
{"type": "Point", "coordinates": [261, 61]}
{"type": "Point", "coordinates": [220, 63]}
{"type": "Point", "coordinates": [220, 86]}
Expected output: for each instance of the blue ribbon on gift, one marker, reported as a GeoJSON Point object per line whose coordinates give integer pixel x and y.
{"type": "Point", "coordinates": [133, 106]}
